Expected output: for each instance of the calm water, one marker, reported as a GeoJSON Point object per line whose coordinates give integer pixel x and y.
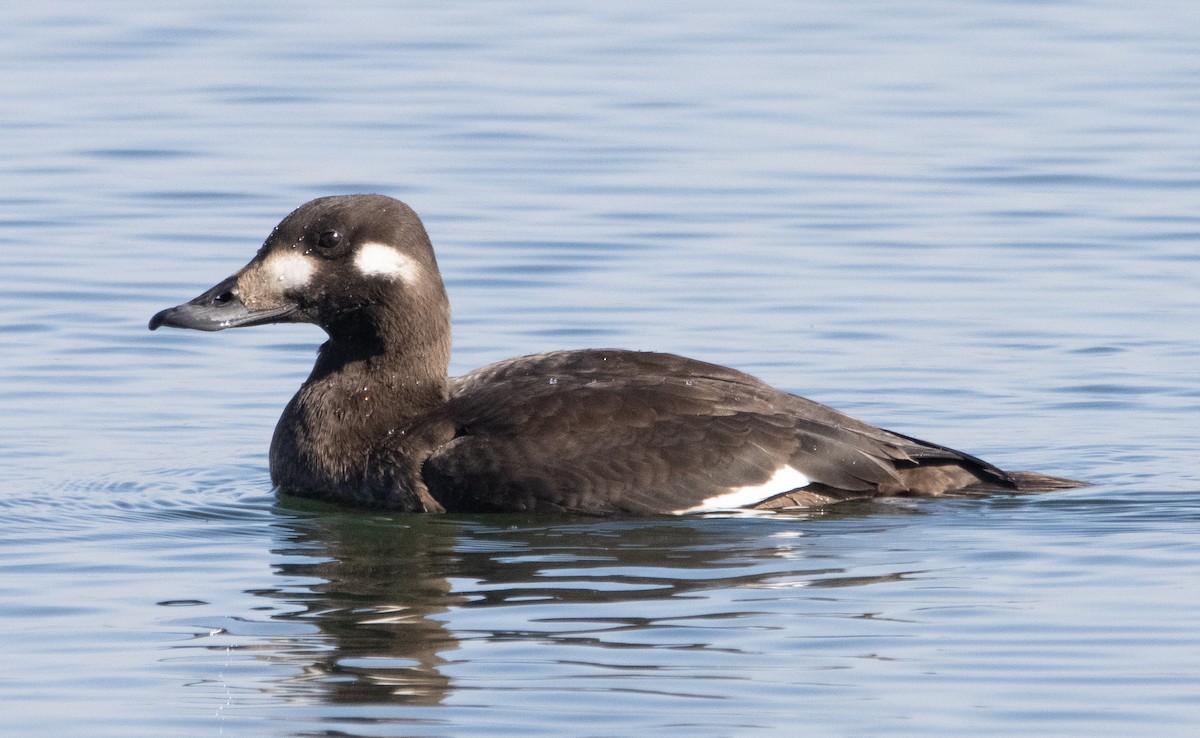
{"type": "Point", "coordinates": [976, 222]}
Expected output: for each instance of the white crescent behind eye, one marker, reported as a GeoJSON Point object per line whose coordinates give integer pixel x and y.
{"type": "Point", "coordinates": [381, 260]}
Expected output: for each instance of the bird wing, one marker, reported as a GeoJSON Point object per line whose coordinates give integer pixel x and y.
{"type": "Point", "coordinates": [629, 432]}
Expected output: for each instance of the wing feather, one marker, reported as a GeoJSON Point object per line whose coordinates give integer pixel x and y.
{"type": "Point", "coordinates": [627, 432]}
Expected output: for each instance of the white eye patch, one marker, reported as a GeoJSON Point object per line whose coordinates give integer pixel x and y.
{"type": "Point", "coordinates": [288, 270]}
{"type": "Point", "coordinates": [381, 260]}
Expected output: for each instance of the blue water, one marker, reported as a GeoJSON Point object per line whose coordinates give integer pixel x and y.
{"type": "Point", "coordinates": [975, 222]}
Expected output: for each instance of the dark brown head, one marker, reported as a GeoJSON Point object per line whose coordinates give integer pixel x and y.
{"type": "Point", "coordinates": [359, 266]}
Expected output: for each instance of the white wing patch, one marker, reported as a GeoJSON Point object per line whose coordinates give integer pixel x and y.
{"type": "Point", "coordinates": [288, 270]}
{"type": "Point", "coordinates": [378, 259]}
{"type": "Point", "coordinates": [785, 479]}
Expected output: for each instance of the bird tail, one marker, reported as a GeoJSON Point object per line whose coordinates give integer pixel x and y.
{"type": "Point", "coordinates": [1028, 481]}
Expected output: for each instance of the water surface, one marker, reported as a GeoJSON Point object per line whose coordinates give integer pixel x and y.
{"type": "Point", "coordinates": [970, 222]}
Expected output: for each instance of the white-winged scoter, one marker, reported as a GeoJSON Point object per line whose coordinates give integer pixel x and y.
{"type": "Point", "coordinates": [380, 424]}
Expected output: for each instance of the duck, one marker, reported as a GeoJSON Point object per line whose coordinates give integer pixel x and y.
{"type": "Point", "coordinates": [380, 424]}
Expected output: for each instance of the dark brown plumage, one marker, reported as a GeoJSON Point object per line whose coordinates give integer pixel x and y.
{"type": "Point", "coordinates": [380, 424]}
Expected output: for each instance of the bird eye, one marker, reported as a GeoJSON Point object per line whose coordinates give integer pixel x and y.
{"type": "Point", "coordinates": [329, 240]}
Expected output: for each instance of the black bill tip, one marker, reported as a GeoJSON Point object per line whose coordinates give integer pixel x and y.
{"type": "Point", "coordinates": [218, 308]}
